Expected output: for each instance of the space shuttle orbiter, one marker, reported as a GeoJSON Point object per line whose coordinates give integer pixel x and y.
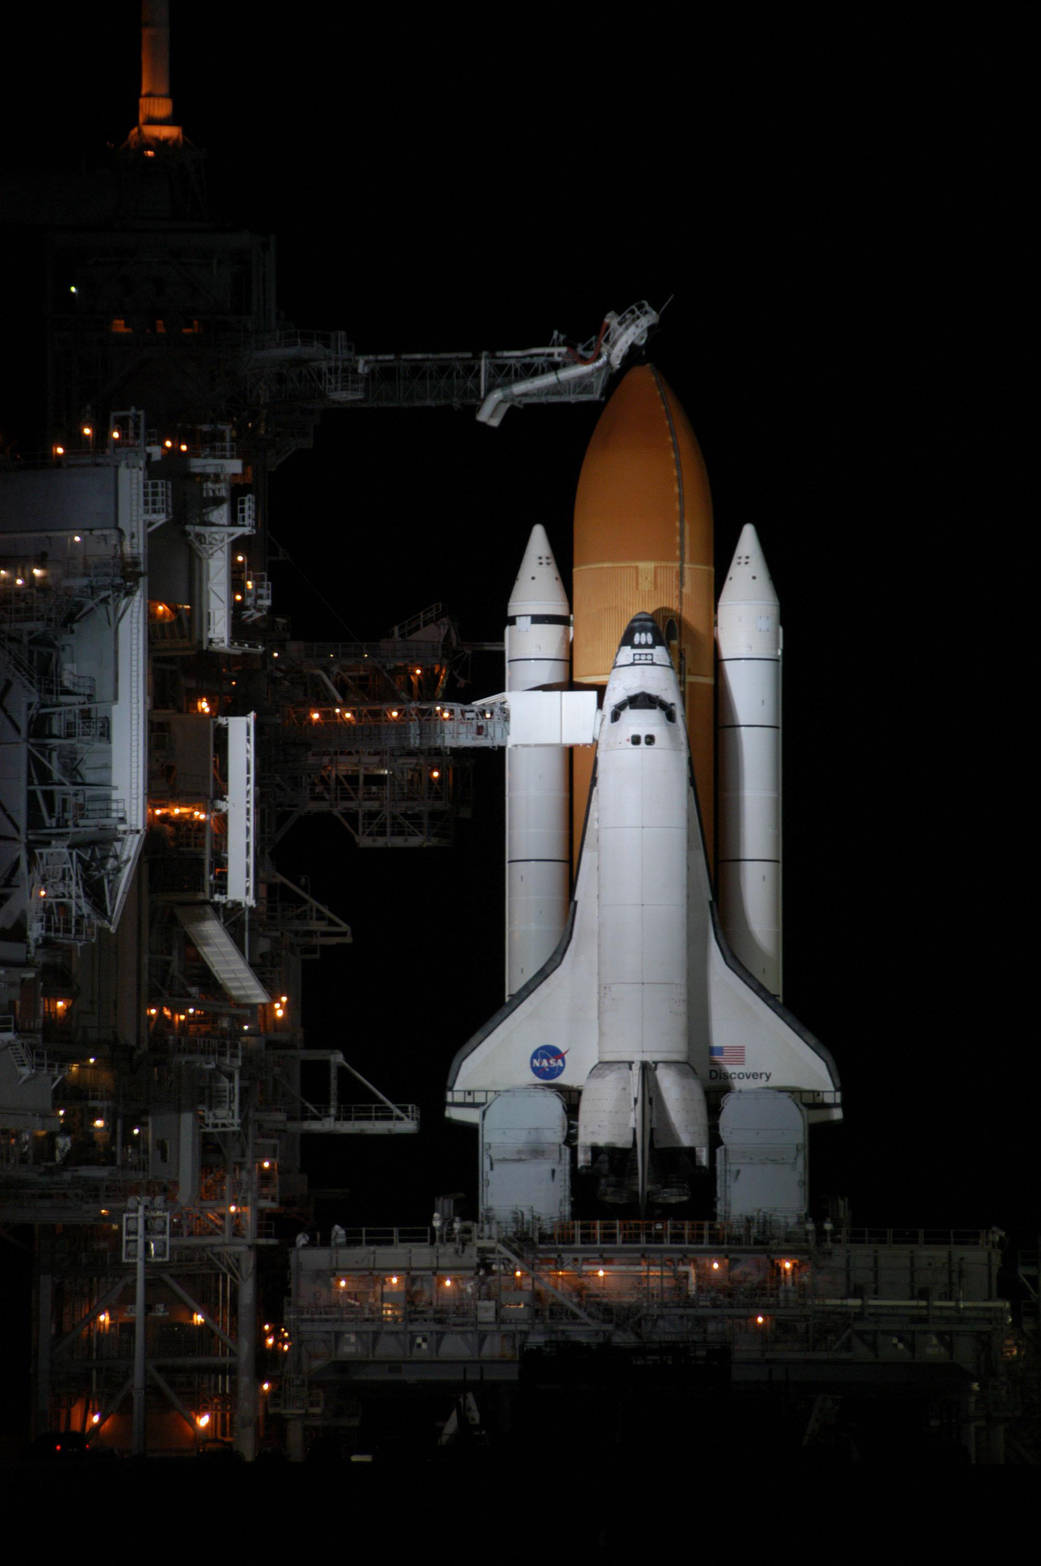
{"type": "Point", "coordinates": [642, 1007]}
{"type": "Point", "coordinates": [643, 1013]}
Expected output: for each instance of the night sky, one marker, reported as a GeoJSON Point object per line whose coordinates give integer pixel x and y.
{"type": "Point", "coordinates": [833, 213]}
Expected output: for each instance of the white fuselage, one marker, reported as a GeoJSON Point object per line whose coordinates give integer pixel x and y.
{"type": "Point", "coordinates": [643, 780]}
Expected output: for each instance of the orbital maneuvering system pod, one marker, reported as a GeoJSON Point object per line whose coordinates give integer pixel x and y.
{"type": "Point", "coordinates": [657, 1021]}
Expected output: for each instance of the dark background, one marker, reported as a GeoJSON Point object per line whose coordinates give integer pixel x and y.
{"type": "Point", "coordinates": [833, 212]}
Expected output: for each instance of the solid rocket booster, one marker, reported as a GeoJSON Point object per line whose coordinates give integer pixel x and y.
{"type": "Point", "coordinates": [748, 871]}
{"type": "Point", "coordinates": [538, 637]}
{"type": "Point", "coordinates": [643, 541]}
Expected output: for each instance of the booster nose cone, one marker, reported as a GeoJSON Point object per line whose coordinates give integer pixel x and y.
{"type": "Point", "coordinates": [538, 589]}
{"type": "Point", "coordinates": [748, 580]}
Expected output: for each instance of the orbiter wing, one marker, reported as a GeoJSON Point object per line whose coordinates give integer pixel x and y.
{"type": "Point", "coordinates": [547, 1032]}
{"type": "Point", "coordinates": [740, 1036]}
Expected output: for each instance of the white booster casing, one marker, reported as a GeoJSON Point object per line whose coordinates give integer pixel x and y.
{"type": "Point", "coordinates": [643, 1080]}
{"type": "Point", "coordinates": [748, 633]}
{"type": "Point", "coordinates": [538, 653]}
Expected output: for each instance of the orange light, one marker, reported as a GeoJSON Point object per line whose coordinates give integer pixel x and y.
{"type": "Point", "coordinates": [202, 1420]}
{"type": "Point", "coordinates": [59, 451]}
{"type": "Point", "coordinates": [88, 429]}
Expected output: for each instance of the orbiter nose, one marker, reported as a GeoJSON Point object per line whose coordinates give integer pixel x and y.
{"type": "Point", "coordinates": [642, 634]}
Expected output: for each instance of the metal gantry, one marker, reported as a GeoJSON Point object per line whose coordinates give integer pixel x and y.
{"type": "Point", "coordinates": [363, 737]}
{"type": "Point", "coordinates": [914, 1318]}
{"type": "Point", "coordinates": [296, 369]}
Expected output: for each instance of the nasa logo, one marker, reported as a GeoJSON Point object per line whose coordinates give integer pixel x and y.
{"type": "Point", "coordinates": [548, 1062]}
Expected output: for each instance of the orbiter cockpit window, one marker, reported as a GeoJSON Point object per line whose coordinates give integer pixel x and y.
{"type": "Point", "coordinates": [643, 701]}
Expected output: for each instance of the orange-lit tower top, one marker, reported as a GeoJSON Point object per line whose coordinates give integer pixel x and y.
{"type": "Point", "coordinates": [155, 105]}
{"type": "Point", "coordinates": [643, 541]}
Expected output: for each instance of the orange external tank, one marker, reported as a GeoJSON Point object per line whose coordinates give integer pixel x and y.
{"type": "Point", "coordinates": [643, 540]}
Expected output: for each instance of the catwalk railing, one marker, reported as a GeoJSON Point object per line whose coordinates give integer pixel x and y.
{"type": "Point", "coordinates": [700, 1234]}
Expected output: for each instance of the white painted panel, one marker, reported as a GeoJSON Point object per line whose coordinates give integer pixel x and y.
{"type": "Point", "coordinates": [578, 717]}
{"type": "Point", "coordinates": [241, 815]}
{"type": "Point", "coordinates": [750, 692]}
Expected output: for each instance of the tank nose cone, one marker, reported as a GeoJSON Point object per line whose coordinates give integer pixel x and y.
{"type": "Point", "coordinates": [642, 632]}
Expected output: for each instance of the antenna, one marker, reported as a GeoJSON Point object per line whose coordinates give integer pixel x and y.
{"type": "Point", "coordinates": [155, 105]}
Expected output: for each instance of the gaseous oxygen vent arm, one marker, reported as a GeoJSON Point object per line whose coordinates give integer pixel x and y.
{"type": "Point", "coordinates": [616, 336]}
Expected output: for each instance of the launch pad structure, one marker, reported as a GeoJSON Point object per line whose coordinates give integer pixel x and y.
{"type": "Point", "coordinates": [163, 731]}
{"type": "Point", "coordinates": [796, 1332]}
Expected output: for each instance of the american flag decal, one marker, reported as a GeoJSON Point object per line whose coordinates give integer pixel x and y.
{"type": "Point", "coordinates": [727, 1054]}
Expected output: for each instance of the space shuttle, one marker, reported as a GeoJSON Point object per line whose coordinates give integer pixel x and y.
{"type": "Point", "coordinates": [648, 1006]}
